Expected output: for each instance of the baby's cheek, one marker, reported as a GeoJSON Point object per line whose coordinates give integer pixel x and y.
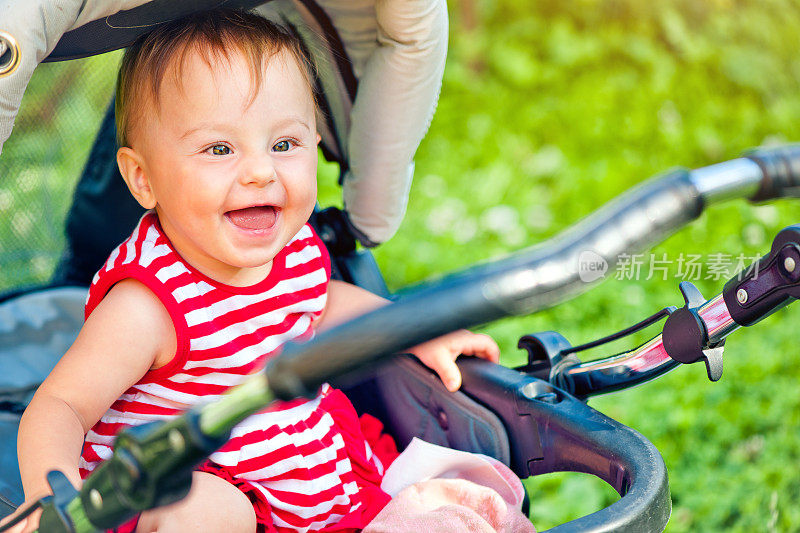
{"type": "Point", "coordinates": [307, 195]}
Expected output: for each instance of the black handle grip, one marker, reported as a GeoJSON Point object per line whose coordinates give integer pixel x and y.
{"type": "Point", "coordinates": [152, 466]}
{"type": "Point", "coordinates": [356, 345]}
{"type": "Point", "coordinates": [781, 168]}
{"type": "Point", "coordinates": [768, 284]}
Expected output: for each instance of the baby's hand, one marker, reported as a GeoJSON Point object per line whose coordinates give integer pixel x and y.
{"type": "Point", "coordinates": [28, 524]}
{"type": "Point", "coordinates": [440, 354]}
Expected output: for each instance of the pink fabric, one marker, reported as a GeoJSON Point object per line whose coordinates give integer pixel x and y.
{"type": "Point", "coordinates": [449, 506]}
{"type": "Point", "coordinates": [437, 489]}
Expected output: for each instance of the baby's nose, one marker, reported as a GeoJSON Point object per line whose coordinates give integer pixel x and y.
{"type": "Point", "coordinates": [260, 172]}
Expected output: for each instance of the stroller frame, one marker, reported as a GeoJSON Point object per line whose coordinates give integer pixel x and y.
{"type": "Point", "coordinates": [523, 420]}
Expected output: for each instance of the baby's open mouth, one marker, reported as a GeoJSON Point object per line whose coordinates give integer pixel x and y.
{"type": "Point", "coordinates": [254, 218]}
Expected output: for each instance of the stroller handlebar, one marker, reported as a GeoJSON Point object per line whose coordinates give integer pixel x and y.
{"type": "Point", "coordinates": [529, 280]}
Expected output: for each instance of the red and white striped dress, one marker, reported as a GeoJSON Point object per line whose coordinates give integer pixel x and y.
{"type": "Point", "coordinates": [306, 465]}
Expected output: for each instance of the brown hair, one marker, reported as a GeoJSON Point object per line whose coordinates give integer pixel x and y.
{"type": "Point", "coordinates": [212, 34]}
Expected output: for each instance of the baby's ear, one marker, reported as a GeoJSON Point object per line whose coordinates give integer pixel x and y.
{"type": "Point", "coordinates": [131, 167]}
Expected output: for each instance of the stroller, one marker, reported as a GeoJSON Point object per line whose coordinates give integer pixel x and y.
{"type": "Point", "coordinates": [532, 418]}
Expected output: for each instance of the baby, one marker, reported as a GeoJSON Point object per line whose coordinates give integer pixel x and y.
{"type": "Point", "coordinates": [216, 123]}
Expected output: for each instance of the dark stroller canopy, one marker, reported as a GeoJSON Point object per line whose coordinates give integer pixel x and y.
{"type": "Point", "coordinates": [121, 29]}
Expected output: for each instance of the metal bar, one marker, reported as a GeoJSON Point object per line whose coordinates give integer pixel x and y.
{"type": "Point", "coordinates": [622, 371]}
{"type": "Point", "coordinates": [217, 418]}
{"type": "Point", "coordinates": [717, 319]}
{"type": "Point", "coordinates": [649, 360]}
{"type": "Point", "coordinates": [738, 178]}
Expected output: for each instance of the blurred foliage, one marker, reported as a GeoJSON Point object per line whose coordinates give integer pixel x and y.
{"type": "Point", "coordinates": [42, 160]}
{"type": "Point", "coordinates": [549, 109]}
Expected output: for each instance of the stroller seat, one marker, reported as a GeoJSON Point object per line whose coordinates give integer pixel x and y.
{"type": "Point", "coordinates": [35, 331]}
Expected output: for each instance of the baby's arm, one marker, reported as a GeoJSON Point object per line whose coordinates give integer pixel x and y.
{"type": "Point", "coordinates": [346, 301]}
{"type": "Point", "coordinates": [127, 334]}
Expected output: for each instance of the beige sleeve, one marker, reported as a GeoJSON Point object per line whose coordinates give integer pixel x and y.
{"type": "Point", "coordinates": [398, 50]}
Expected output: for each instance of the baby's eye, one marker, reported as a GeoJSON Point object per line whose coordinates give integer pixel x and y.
{"type": "Point", "coordinates": [283, 145]}
{"type": "Point", "coordinates": [220, 149]}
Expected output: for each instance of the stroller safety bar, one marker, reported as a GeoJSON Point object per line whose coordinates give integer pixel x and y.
{"type": "Point", "coordinates": [552, 431]}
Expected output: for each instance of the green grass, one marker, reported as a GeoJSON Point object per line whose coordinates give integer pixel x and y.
{"type": "Point", "coordinates": [548, 110]}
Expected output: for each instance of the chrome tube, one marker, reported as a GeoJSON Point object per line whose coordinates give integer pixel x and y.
{"type": "Point", "coordinates": [646, 362]}
{"type": "Point", "coordinates": [622, 371]}
{"type": "Point", "coordinates": [737, 178]}
{"type": "Point", "coordinates": [717, 319]}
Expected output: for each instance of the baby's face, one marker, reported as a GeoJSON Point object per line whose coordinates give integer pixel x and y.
{"type": "Point", "coordinates": [234, 178]}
